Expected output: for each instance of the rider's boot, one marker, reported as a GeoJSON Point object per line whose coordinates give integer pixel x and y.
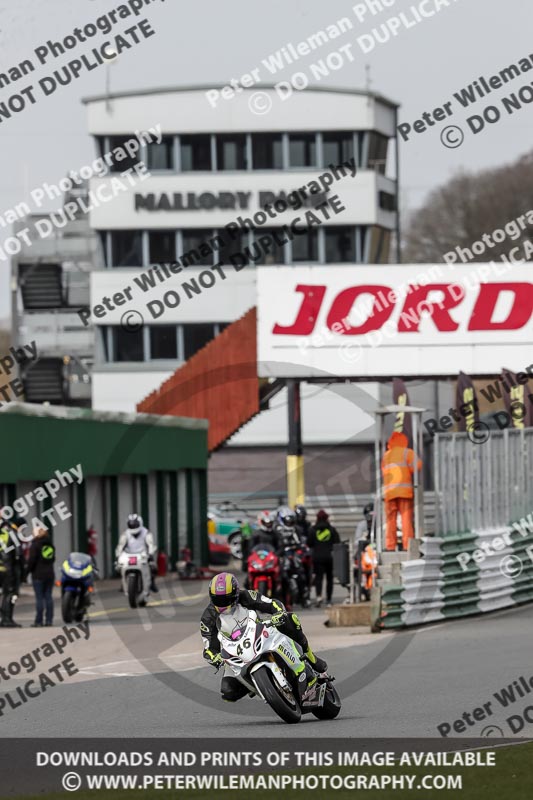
{"type": "Point", "coordinates": [318, 664]}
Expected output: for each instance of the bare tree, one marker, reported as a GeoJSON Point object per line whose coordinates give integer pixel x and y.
{"type": "Point", "coordinates": [470, 205]}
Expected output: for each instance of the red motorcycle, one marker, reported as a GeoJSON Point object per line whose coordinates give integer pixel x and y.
{"type": "Point", "coordinates": [263, 570]}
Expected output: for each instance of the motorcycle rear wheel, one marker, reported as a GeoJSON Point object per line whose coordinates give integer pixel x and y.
{"type": "Point", "coordinates": [132, 590]}
{"type": "Point", "coordinates": [331, 707]}
{"type": "Point", "coordinates": [276, 700]}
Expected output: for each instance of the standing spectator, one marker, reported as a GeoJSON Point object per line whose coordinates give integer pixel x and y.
{"type": "Point", "coordinates": [397, 467]}
{"type": "Point", "coordinates": [41, 567]}
{"type": "Point", "coordinates": [322, 537]}
{"type": "Point", "coordinates": [92, 545]}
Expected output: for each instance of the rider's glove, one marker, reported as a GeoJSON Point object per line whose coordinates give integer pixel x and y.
{"type": "Point", "coordinates": [278, 619]}
{"type": "Point", "coordinates": [215, 659]}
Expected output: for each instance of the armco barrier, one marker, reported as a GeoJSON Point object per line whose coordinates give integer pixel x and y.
{"type": "Point", "coordinates": [436, 587]}
{"type": "Point", "coordinates": [478, 488]}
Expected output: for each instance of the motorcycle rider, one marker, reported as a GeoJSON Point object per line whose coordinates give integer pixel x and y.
{"type": "Point", "coordinates": [138, 539]}
{"type": "Point", "coordinates": [11, 568]}
{"type": "Point", "coordinates": [363, 534]}
{"type": "Point", "coordinates": [289, 540]}
{"type": "Point", "coordinates": [266, 532]}
{"type": "Point", "coordinates": [303, 529]}
{"type": "Point", "coordinates": [224, 596]}
{"type": "Point", "coordinates": [302, 524]}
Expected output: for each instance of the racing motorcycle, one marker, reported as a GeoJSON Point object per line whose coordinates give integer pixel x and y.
{"type": "Point", "coordinates": [263, 570]}
{"type": "Point", "coordinates": [77, 585]}
{"type": "Point", "coordinates": [293, 578]}
{"type": "Point", "coordinates": [136, 577]}
{"type": "Point", "coordinates": [272, 667]}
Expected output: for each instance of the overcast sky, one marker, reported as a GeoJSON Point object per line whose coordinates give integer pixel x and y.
{"type": "Point", "coordinates": [209, 42]}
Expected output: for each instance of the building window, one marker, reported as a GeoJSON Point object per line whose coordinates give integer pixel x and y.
{"type": "Point", "coordinates": [387, 201]}
{"type": "Point", "coordinates": [196, 336]}
{"type": "Point", "coordinates": [126, 249]}
{"type": "Point", "coordinates": [267, 151]}
{"type": "Point", "coordinates": [128, 162]}
{"type": "Point", "coordinates": [231, 152]}
{"type": "Point", "coordinates": [127, 344]}
{"type": "Point", "coordinates": [340, 245]}
{"type": "Point", "coordinates": [232, 247]}
{"type": "Point", "coordinates": [196, 153]}
{"type": "Point", "coordinates": [377, 152]}
{"type": "Point", "coordinates": [195, 247]}
{"type": "Point", "coordinates": [337, 147]}
{"type": "Point", "coordinates": [267, 247]}
{"type": "Point", "coordinates": [162, 246]}
{"type": "Point", "coordinates": [163, 342]}
{"type": "Point", "coordinates": [305, 247]}
{"type": "Point", "coordinates": [302, 150]}
{"type": "Point", "coordinates": [160, 155]}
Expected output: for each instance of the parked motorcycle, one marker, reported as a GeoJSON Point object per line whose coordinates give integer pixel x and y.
{"type": "Point", "coordinates": [263, 570]}
{"type": "Point", "coordinates": [136, 577]}
{"type": "Point", "coordinates": [77, 585]}
{"type": "Point", "coordinates": [271, 666]}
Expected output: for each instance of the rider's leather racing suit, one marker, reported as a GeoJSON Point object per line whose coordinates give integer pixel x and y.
{"type": "Point", "coordinates": [232, 689]}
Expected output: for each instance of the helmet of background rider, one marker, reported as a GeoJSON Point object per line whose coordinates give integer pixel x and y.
{"type": "Point", "coordinates": [301, 512]}
{"type": "Point", "coordinates": [286, 517]}
{"type": "Point", "coordinates": [135, 524]}
{"type": "Point", "coordinates": [368, 511]}
{"type": "Point", "coordinates": [266, 520]}
{"type": "Point", "coordinates": [224, 592]}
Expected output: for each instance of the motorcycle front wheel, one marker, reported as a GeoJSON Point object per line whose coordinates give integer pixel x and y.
{"type": "Point", "coordinates": [289, 710]}
{"type": "Point", "coordinates": [67, 606]}
{"type": "Point", "coordinates": [132, 589]}
{"type": "Point", "coordinates": [331, 707]}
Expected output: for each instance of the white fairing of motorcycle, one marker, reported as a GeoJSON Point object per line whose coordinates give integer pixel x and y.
{"type": "Point", "coordinates": [135, 562]}
{"type": "Point", "coordinates": [246, 642]}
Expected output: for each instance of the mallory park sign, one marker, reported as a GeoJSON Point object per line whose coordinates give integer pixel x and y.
{"type": "Point", "coordinates": [207, 201]}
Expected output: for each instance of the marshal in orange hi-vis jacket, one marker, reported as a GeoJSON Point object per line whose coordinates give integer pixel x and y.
{"type": "Point", "coordinates": [397, 467]}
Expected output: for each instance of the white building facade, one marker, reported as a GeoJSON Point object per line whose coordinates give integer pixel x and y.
{"type": "Point", "coordinates": [213, 168]}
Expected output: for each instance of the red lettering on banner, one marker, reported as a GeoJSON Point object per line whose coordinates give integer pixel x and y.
{"type": "Point", "coordinates": [416, 301]}
{"type": "Point", "coordinates": [343, 304]}
{"type": "Point", "coordinates": [518, 316]}
{"type": "Point", "coordinates": [305, 321]}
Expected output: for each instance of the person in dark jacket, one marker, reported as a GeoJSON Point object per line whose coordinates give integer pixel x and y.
{"type": "Point", "coordinates": [41, 567]}
{"type": "Point", "coordinates": [322, 537]}
{"type": "Point", "coordinates": [11, 569]}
